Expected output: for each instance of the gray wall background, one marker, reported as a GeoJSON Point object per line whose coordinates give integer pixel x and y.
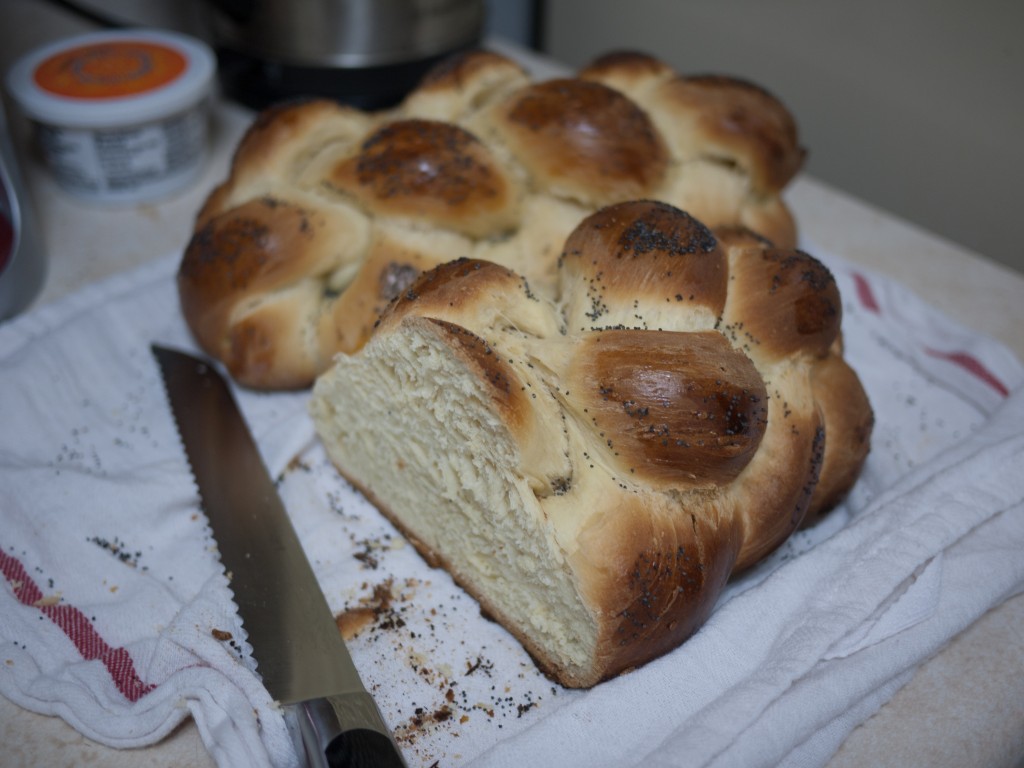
{"type": "Point", "coordinates": [915, 106]}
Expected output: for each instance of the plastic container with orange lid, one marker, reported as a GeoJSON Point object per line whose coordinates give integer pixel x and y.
{"type": "Point", "coordinates": [122, 116]}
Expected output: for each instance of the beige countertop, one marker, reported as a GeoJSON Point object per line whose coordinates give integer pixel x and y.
{"type": "Point", "coordinates": [963, 707]}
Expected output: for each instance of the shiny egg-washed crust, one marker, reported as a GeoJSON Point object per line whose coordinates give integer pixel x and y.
{"type": "Point", "coordinates": [679, 409]}
{"type": "Point", "coordinates": [329, 211]}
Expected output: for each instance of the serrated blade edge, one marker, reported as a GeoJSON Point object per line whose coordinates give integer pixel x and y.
{"type": "Point", "coordinates": [299, 651]}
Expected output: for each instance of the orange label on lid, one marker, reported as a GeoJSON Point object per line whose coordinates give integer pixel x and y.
{"type": "Point", "coordinates": [109, 70]}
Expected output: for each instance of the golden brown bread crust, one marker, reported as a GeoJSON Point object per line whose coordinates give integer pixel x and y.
{"type": "Point", "coordinates": [714, 115]}
{"type": "Point", "coordinates": [478, 162]}
{"type": "Point", "coordinates": [589, 142]}
{"type": "Point", "coordinates": [654, 573]}
{"type": "Point", "coordinates": [260, 258]}
{"type": "Point", "coordinates": [429, 172]}
{"type": "Point", "coordinates": [846, 411]}
{"type": "Point", "coordinates": [686, 436]}
{"type": "Point", "coordinates": [695, 424]}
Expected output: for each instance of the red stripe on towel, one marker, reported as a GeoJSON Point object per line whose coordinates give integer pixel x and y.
{"type": "Point", "coordinates": [79, 630]}
{"type": "Point", "coordinates": [972, 365]}
{"type": "Point", "coordinates": [866, 294]}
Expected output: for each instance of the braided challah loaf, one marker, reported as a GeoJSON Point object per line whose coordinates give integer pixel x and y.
{"type": "Point", "coordinates": [329, 212]}
{"type": "Point", "coordinates": [593, 468]}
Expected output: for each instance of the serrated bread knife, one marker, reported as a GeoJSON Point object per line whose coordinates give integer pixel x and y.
{"type": "Point", "coordinates": [299, 651]}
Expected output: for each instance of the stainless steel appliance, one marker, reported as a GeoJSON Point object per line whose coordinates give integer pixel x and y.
{"type": "Point", "coordinates": [22, 258]}
{"type": "Point", "coordinates": [364, 52]}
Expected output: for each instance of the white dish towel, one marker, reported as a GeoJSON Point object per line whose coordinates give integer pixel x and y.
{"type": "Point", "coordinates": [115, 614]}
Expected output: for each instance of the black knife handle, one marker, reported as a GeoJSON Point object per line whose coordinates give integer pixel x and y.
{"type": "Point", "coordinates": [363, 748]}
{"type": "Point", "coordinates": [347, 731]}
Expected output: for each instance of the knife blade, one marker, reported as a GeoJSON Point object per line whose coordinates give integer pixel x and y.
{"type": "Point", "coordinates": [299, 650]}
